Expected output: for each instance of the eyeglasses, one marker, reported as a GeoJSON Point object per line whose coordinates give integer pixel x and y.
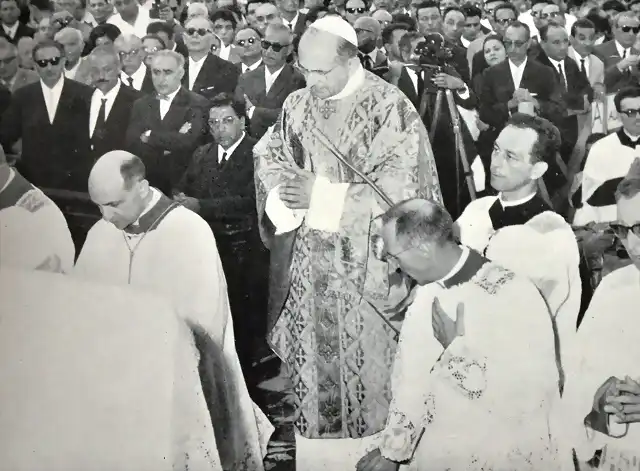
{"type": "Point", "coordinates": [536, 14]}
{"type": "Point", "coordinates": [8, 60]}
{"type": "Point", "coordinates": [627, 29]}
{"type": "Point", "coordinates": [275, 46]}
{"type": "Point", "coordinates": [306, 72]}
{"type": "Point", "coordinates": [150, 50]}
{"type": "Point", "coordinates": [199, 31]}
{"type": "Point", "coordinates": [508, 44]}
{"type": "Point", "coordinates": [242, 42]}
{"type": "Point", "coordinates": [45, 62]}
{"type": "Point", "coordinates": [553, 14]}
{"type": "Point", "coordinates": [631, 113]}
{"type": "Point", "coordinates": [63, 22]}
{"type": "Point", "coordinates": [131, 53]}
{"type": "Point", "coordinates": [225, 120]}
{"type": "Point", "coordinates": [362, 30]}
{"type": "Point", "coordinates": [622, 232]}
{"type": "Point", "coordinates": [505, 21]}
{"type": "Point", "coordinates": [355, 10]}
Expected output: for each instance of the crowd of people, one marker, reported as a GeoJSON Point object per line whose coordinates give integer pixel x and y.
{"type": "Point", "coordinates": [320, 235]}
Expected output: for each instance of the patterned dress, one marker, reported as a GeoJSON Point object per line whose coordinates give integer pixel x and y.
{"type": "Point", "coordinates": [338, 349]}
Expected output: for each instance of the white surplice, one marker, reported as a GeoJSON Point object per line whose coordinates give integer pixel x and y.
{"type": "Point", "coordinates": [177, 258]}
{"type": "Point", "coordinates": [97, 377]}
{"type": "Point", "coordinates": [607, 344]}
{"type": "Point", "coordinates": [483, 402]}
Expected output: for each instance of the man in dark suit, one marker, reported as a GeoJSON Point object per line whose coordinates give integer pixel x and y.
{"type": "Point", "coordinates": [265, 89]}
{"type": "Point", "coordinates": [134, 73]}
{"type": "Point", "coordinates": [205, 73]}
{"type": "Point", "coordinates": [111, 103]}
{"type": "Point", "coordinates": [577, 93]}
{"type": "Point", "coordinates": [619, 55]}
{"type": "Point", "coordinates": [219, 185]}
{"type": "Point", "coordinates": [165, 31]}
{"type": "Point", "coordinates": [51, 118]}
{"type": "Point", "coordinates": [518, 82]}
{"type": "Point", "coordinates": [11, 28]}
{"type": "Point", "coordinates": [166, 128]}
{"type": "Point", "coordinates": [291, 16]}
{"type": "Point", "coordinates": [369, 32]}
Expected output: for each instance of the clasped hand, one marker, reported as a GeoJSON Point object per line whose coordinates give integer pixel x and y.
{"type": "Point", "coordinates": [443, 80]}
{"type": "Point", "coordinates": [522, 95]}
{"type": "Point", "coordinates": [624, 402]}
{"type": "Point", "coordinates": [295, 193]}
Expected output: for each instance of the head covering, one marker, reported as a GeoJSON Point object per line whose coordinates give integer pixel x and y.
{"type": "Point", "coordinates": [369, 24]}
{"type": "Point", "coordinates": [338, 27]}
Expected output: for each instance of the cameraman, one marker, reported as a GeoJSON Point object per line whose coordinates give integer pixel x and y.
{"type": "Point", "coordinates": [421, 56]}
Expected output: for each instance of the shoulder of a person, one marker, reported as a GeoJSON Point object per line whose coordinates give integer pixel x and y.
{"type": "Point", "coordinates": [492, 277]}
{"type": "Point", "coordinates": [478, 205]}
{"type": "Point", "coordinates": [617, 278]}
{"type": "Point", "coordinates": [197, 100]}
{"type": "Point", "coordinates": [182, 222]}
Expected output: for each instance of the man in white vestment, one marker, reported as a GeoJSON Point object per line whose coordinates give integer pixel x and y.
{"type": "Point", "coordinates": [95, 377]}
{"type": "Point", "coordinates": [602, 396]}
{"type": "Point", "coordinates": [474, 374]}
{"type": "Point", "coordinates": [147, 241]}
{"type": "Point", "coordinates": [33, 231]}
{"type": "Point", "coordinates": [518, 229]}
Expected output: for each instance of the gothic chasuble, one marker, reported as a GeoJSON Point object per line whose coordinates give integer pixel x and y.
{"type": "Point", "coordinates": [96, 377]}
{"type": "Point", "coordinates": [606, 346]}
{"type": "Point", "coordinates": [338, 350]}
{"type": "Point", "coordinates": [481, 404]}
{"type": "Point", "coordinates": [33, 231]}
{"type": "Point", "coordinates": [172, 252]}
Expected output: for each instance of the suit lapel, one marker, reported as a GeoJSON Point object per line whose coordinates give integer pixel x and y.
{"type": "Point", "coordinates": [281, 81]}
{"type": "Point", "coordinates": [260, 82]}
{"type": "Point", "coordinates": [527, 78]}
{"type": "Point", "coordinates": [176, 110]}
{"type": "Point", "coordinates": [508, 78]}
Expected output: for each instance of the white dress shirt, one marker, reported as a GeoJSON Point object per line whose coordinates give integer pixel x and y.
{"type": "Point", "coordinates": [71, 73]}
{"type": "Point", "coordinates": [291, 24]}
{"type": "Point", "coordinates": [254, 66]}
{"type": "Point", "coordinates": [516, 72]}
{"type": "Point", "coordinates": [230, 150]}
{"type": "Point", "coordinates": [224, 51]}
{"type": "Point", "coordinates": [559, 67]}
{"type": "Point", "coordinates": [96, 104]}
{"type": "Point", "coordinates": [194, 70]}
{"type": "Point", "coordinates": [139, 27]}
{"type": "Point", "coordinates": [166, 104]}
{"type": "Point", "coordinates": [270, 78]}
{"type": "Point", "coordinates": [52, 97]}
{"type": "Point", "coordinates": [624, 53]}
{"type": "Point", "coordinates": [587, 61]}
{"type": "Point", "coordinates": [138, 77]}
{"type": "Point", "coordinates": [11, 30]}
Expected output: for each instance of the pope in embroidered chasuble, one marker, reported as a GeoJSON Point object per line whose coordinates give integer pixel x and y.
{"type": "Point", "coordinates": [33, 231]}
{"type": "Point", "coordinates": [337, 348]}
{"type": "Point", "coordinates": [171, 251]}
{"type": "Point", "coordinates": [483, 402]}
{"type": "Point", "coordinates": [97, 377]}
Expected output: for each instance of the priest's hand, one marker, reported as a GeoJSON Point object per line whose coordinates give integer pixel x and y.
{"type": "Point", "coordinates": [296, 192]}
{"type": "Point", "coordinates": [374, 461]}
{"type": "Point", "coordinates": [446, 329]}
{"type": "Point", "coordinates": [625, 404]}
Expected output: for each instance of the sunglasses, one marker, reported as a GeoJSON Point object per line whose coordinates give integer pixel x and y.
{"type": "Point", "coordinates": [62, 22]}
{"type": "Point", "coordinates": [45, 62]}
{"type": "Point", "coordinates": [242, 42]}
{"type": "Point", "coordinates": [631, 113]}
{"type": "Point", "coordinates": [627, 29]}
{"type": "Point", "coordinates": [275, 46]}
{"type": "Point", "coordinates": [131, 53]}
{"type": "Point", "coordinates": [622, 232]}
{"type": "Point", "coordinates": [508, 44]}
{"type": "Point", "coordinates": [355, 10]}
{"type": "Point", "coordinates": [199, 31]}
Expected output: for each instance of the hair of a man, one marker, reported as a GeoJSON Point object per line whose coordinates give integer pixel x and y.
{"type": "Point", "coordinates": [427, 4]}
{"type": "Point", "coordinates": [544, 31]}
{"type": "Point", "coordinates": [198, 18]}
{"type": "Point", "coordinates": [224, 99]}
{"type": "Point", "coordinates": [623, 94]}
{"type": "Point", "coordinates": [45, 44]}
{"type": "Point", "coordinates": [450, 9]}
{"type": "Point", "coordinates": [280, 28]}
{"type": "Point", "coordinates": [504, 6]}
{"type": "Point", "coordinates": [419, 222]}
{"type": "Point", "coordinates": [541, 2]}
{"type": "Point", "coordinates": [106, 29]}
{"type": "Point", "coordinates": [387, 32]}
{"type": "Point", "coordinates": [258, 33]}
{"type": "Point", "coordinates": [613, 5]}
{"type": "Point", "coordinates": [407, 39]}
{"type": "Point", "coordinates": [132, 171]}
{"type": "Point", "coordinates": [155, 37]}
{"type": "Point", "coordinates": [69, 33]}
{"type": "Point", "coordinates": [161, 27]}
{"type": "Point", "coordinates": [471, 11]}
{"type": "Point", "coordinates": [105, 51]}
{"type": "Point", "coordinates": [548, 142]}
{"type": "Point", "coordinates": [624, 14]}
{"type": "Point", "coordinates": [14, 1]}
{"type": "Point", "coordinates": [520, 24]}
{"type": "Point", "coordinates": [226, 15]}
{"type": "Point", "coordinates": [176, 56]}
{"type": "Point", "coordinates": [314, 13]}
{"type": "Point", "coordinates": [583, 23]}
{"type": "Point", "coordinates": [404, 18]}
{"type": "Point", "coordinates": [258, 2]}
{"type": "Point", "coordinates": [130, 39]}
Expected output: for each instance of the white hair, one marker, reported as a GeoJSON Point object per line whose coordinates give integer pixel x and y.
{"type": "Point", "coordinates": [127, 39]}
{"type": "Point", "coordinates": [179, 58]}
{"type": "Point", "coordinates": [68, 33]}
{"type": "Point", "coordinates": [195, 10]}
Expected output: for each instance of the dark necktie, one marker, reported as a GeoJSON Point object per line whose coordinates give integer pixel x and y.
{"type": "Point", "coordinates": [624, 54]}
{"type": "Point", "coordinates": [563, 81]}
{"type": "Point", "coordinates": [98, 131]}
{"type": "Point", "coordinates": [582, 67]}
{"type": "Point", "coordinates": [223, 159]}
{"type": "Point", "coordinates": [130, 81]}
{"type": "Point", "coordinates": [366, 61]}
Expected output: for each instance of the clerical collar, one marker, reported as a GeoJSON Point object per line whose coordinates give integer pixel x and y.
{"type": "Point", "coordinates": [14, 189]}
{"type": "Point", "coordinates": [456, 268]}
{"type": "Point", "coordinates": [628, 140]}
{"type": "Point", "coordinates": [155, 211]}
{"type": "Point", "coordinates": [517, 213]}
{"type": "Point", "coordinates": [473, 262]}
{"type": "Point", "coordinates": [515, 202]}
{"type": "Point", "coordinates": [353, 84]}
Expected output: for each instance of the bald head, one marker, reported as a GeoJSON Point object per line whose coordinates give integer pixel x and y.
{"type": "Point", "coordinates": [382, 16]}
{"type": "Point", "coordinates": [69, 35]}
{"type": "Point", "coordinates": [116, 168]}
{"type": "Point", "coordinates": [195, 10]}
{"type": "Point", "coordinates": [368, 24]}
{"type": "Point", "coordinates": [419, 222]}
{"type": "Point", "coordinates": [128, 41]}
